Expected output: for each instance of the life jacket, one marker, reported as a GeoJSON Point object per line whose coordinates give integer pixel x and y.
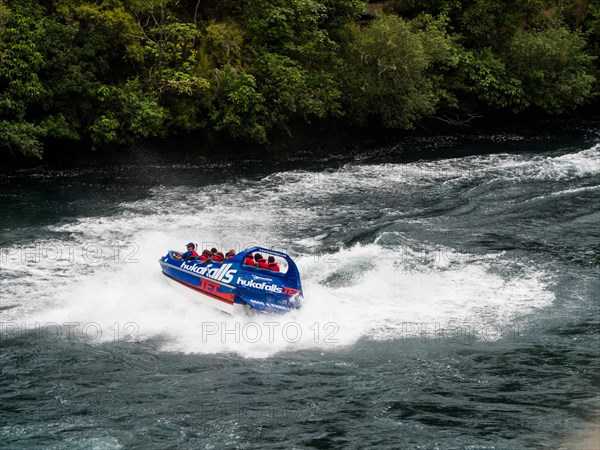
{"type": "Point", "coordinates": [190, 255]}
{"type": "Point", "coordinates": [274, 267]}
{"type": "Point", "coordinates": [262, 263]}
{"type": "Point", "coordinates": [229, 255]}
{"type": "Point", "coordinates": [203, 258]}
{"type": "Point", "coordinates": [217, 258]}
{"type": "Point", "coordinates": [249, 259]}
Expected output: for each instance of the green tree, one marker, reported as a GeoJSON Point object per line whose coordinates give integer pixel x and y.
{"type": "Point", "coordinates": [237, 107]}
{"type": "Point", "coordinates": [293, 92]}
{"type": "Point", "coordinates": [126, 113]}
{"type": "Point", "coordinates": [392, 71]}
{"type": "Point", "coordinates": [555, 72]}
{"type": "Point", "coordinates": [295, 58]}
{"type": "Point", "coordinates": [176, 74]}
{"type": "Point", "coordinates": [486, 77]}
{"type": "Point", "coordinates": [20, 86]}
{"type": "Point", "coordinates": [591, 29]}
{"type": "Point", "coordinates": [222, 44]}
{"type": "Point", "coordinates": [109, 22]}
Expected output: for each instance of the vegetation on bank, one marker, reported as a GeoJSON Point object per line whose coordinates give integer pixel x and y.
{"type": "Point", "coordinates": [106, 72]}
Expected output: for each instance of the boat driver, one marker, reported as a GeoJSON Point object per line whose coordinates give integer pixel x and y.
{"type": "Point", "coordinates": [191, 252]}
{"type": "Point", "coordinates": [189, 255]}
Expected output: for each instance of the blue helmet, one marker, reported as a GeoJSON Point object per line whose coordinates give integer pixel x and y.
{"type": "Point", "coordinates": [191, 244]}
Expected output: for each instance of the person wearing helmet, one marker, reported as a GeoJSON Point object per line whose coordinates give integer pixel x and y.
{"type": "Point", "coordinates": [273, 265]}
{"type": "Point", "coordinates": [261, 262]}
{"type": "Point", "coordinates": [191, 252]}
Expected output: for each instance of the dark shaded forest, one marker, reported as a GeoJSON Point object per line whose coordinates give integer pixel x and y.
{"type": "Point", "coordinates": [100, 73]}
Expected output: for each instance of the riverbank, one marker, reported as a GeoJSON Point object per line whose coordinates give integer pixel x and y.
{"type": "Point", "coordinates": [332, 140]}
{"type": "Point", "coordinates": [94, 76]}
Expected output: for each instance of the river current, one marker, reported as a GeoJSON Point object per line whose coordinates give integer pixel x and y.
{"type": "Point", "coordinates": [451, 301]}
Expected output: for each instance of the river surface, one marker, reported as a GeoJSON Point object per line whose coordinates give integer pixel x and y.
{"type": "Point", "coordinates": [451, 301]}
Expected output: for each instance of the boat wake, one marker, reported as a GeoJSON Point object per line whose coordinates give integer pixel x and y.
{"type": "Point", "coordinates": [385, 285]}
{"type": "Point", "coordinates": [361, 292]}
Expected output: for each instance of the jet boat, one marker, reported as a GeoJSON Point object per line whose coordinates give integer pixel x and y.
{"type": "Point", "coordinates": [235, 287]}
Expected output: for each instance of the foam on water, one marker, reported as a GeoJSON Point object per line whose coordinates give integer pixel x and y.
{"type": "Point", "coordinates": [366, 291]}
{"type": "Point", "coordinates": [381, 302]}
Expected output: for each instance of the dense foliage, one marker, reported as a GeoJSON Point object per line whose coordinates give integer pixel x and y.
{"type": "Point", "coordinates": [106, 72]}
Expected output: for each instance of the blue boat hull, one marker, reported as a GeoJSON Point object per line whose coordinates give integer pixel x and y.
{"type": "Point", "coordinates": [234, 287]}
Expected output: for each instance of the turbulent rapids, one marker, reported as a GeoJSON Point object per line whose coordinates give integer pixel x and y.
{"type": "Point", "coordinates": [438, 242]}
{"type": "Point", "coordinates": [451, 300]}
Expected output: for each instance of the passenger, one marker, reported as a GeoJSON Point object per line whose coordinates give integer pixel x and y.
{"type": "Point", "coordinates": [230, 254]}
{"type": "Point", "coordinates": [260, 261]}
{"type": "Point", "coordinates": [191, 252]}
{"type": "Point", "coordinates": [273, 265]}
{"type": "Point", "coordinates": [249, 260]}
{"type": "Point", "coordinates": [218, 257]}
{"type": "Point", "coordinates": [213, 251]}
{"type": "Point", "coordinates": [205, 257]}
